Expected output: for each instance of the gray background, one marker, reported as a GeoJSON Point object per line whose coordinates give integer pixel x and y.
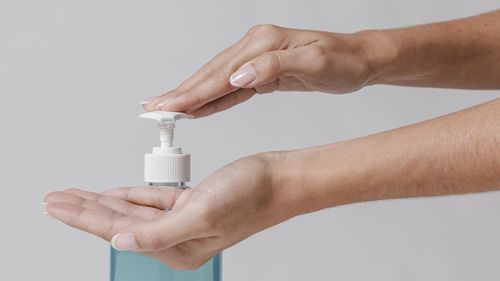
{"type": "Point", "coordinates": [71, 76]}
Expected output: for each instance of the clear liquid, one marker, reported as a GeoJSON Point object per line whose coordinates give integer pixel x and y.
{"type": "Point", "coordinates": [129, 266]}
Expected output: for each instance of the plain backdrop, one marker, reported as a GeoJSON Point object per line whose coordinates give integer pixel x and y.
{"type": "Point", "coordinates": [72, 74]}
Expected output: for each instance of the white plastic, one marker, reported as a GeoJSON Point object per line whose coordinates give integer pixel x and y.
{"type": "Point", "coordinates": [166, 164]}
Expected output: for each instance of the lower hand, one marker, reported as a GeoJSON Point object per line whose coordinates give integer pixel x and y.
{"type": "Point", "coordinates": [229, 205]}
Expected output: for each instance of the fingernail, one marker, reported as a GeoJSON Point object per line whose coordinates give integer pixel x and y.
{"type": "Point", "coordinates": [44, 206]}
{"type": "Point", "coordinates": [243, 76]}
{"type": "Point", "coordinates": [167, 101]}
{"type": "Point", "coordinates": [144, 102]}
{"type": "Point", "coordinates": [124, 242]}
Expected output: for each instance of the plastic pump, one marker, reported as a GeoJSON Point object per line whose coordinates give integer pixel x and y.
{"type": "Point", "coordinates": [166, 164]}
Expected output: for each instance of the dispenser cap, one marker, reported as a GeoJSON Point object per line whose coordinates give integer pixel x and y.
{"type": "Point", "coordinates": [166, 164]}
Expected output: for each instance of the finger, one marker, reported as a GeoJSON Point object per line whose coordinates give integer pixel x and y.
{"type": "Point", "coordinates": [101, 222]}
{"type": "Point", "coordinates": [62, 197]}
{"type": "Point", "coordinates": [223, 103]}
{"type": "Point", "coordinates": [214, 83]}
{"type": "Point", "coordinates": [175, 227]}
{"type": "Point", "coordinates": [59, 196]}
{"type": "Point", "coordinates": [269, 67]}
{"type": "Point", "coordinates": [269, 87]}
{"type": "Point", "coordinates": [163, 198]}
{"type": "Point", "coordinates": [188, 255]}
{"type": "Point", "coordinates": [116, 204]}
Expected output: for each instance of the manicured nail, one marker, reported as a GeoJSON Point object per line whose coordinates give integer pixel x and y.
{"type": "Point", "coordinates": [243, 76]}
{"type": "Point", "coordinates": [166, 101]}
{"type": "Point", "coordinates": [144, 102]}
{"type": "Point", "coordinates": [124, 242]}
{"type": "Point", "coordinates": [44, 206]}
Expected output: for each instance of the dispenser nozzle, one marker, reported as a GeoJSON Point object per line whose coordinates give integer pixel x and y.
{"type": "Point", "coordinates": [166, 124]}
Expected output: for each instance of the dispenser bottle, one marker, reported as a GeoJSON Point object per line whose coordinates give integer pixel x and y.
{"type": "Point", "coordinates": [165, 166]}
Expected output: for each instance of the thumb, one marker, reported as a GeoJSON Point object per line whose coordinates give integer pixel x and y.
{"type": "Point", "coordinates": [154, 235]}
{"type": "Point", "coordinates": [267, 68]}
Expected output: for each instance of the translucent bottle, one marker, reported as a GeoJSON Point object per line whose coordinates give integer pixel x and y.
{"type": "Point", "coordinates": [166, 166]}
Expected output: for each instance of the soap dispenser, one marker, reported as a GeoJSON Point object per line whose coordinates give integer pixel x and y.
{"type": "Point", "coordinates": [166, 166]}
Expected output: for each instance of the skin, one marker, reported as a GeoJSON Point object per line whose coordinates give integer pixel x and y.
{"type": "Point", "coordinates": [454, 154]}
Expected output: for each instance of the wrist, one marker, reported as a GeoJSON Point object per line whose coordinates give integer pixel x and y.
{"type": "Point", "coordinates": [309, 180]}
{"type": "Point", "coordinates": [327, 176]}
{"type": "Point", "coordinates": [380, 52]}
{"type": "Point", "coordinates": [283, 180]}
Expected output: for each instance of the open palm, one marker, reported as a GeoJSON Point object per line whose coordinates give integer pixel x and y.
{"type": "Point", "coordinates": [182, 228]}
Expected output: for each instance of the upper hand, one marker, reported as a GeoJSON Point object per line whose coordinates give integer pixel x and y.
{"type": "Point", "coordinates": [270, 58]}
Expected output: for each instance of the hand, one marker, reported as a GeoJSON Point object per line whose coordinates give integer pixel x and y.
{"type": "Point", "coordinates": [270, 58]}
{"type": "Point", "coordinates": [229, 205]}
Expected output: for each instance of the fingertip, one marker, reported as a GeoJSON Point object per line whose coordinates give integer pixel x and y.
{"type": "Point", "coordinates": [51, 196]}
{"type": "Point", "coordinates": [57, 210]}
{"type": "Point", "coordinates": [146, 102]}
{"type": "Point", "coordinates": [124, 242]}
{"type": "Point", "coordinates": [149, 107]}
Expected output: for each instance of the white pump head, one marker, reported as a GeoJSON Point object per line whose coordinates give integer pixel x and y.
{"type": "Point", "coordinates": [167, 164]}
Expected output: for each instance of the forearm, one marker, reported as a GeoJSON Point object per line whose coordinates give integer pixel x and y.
{"type": "Point", "coordinates": [454, 154]}
{"type": "Point", "coordinates": [462, 53]}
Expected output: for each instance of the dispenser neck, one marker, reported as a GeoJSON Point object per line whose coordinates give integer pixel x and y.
{"type": "Point", "coordinates": [166, 134]}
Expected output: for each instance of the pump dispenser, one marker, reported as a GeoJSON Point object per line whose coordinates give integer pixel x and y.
{"type": "Point", "coordinates": [166, 166]}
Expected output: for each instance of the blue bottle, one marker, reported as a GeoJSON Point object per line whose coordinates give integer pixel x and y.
{"type": "Point", "coordinates": [165, 167]}
{"type": "Point", "coordinates": [128, 266]}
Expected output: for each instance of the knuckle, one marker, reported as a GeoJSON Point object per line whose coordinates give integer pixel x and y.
{"type": "Point", "coordinates": [155, 241]}
{"type": "Point", "coordinates": [317, 50]}
{"type": "Point", "coordinates": [266, 30]}
{"type": "Point", "coordinates": [319, 57]}
{"type": "Point", "coordinates": [253, 29]}
{"type": "Point", "coordinates": [221, 78]}
{"type": "Point", "coordinates": [272, 61]}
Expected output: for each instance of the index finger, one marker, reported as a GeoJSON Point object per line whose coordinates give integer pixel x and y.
{"type": "Point", "coordinates": [212, 80]}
